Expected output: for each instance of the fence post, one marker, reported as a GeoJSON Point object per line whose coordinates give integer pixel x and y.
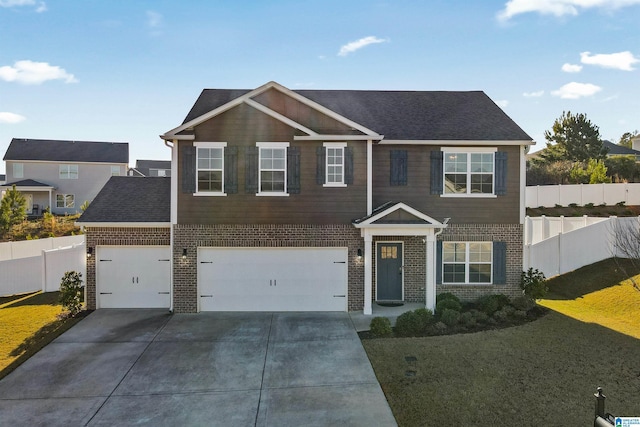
{"type": "Point", "coordinates": [599, 402]}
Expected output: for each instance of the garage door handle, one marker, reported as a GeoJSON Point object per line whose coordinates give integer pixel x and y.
{"type": "Point", "coordinates": [339, 262]}
{"type": "Point", "coordinates": [106, 293]}
{"type": "Point", "coordinates": [206, 262]}
{"type": "Point", "coordinates": [102, 260]}
{"type": "Point", "coordinates": [339, 296]}
{"type": "Point", "coordinates": [206, 296]}
{"type": "Point", "coordinates": [163, 293]}
{"type": "Point", "coordinates": [164, 260]}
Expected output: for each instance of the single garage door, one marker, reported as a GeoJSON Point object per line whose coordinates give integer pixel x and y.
{"type": "Point", "coordinates": [133, 276]}
{"type": "Point", "coordinates": [272, 279]}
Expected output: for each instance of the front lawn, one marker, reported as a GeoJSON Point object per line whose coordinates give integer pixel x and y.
{"type": "Point", "coordinates": [26, 325]}
{"type": "Point", "coordinates": [541, 373]}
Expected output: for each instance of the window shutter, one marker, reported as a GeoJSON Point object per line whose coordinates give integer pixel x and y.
{"type": "Point", "coordinates": [436, 172]}
{"type": "Point", "coordinates": [438, 262]}
{"type": "Point", "coordinates": [251, 170]}
{"type": "Point", "coordinates": [231, 170]}
{"type": "Point", "coordinates": [398, 172]}
{"type": "Point", "coordinates": [188, 153]}
{"type": "Point", "coordinates": [348, 165]}
{"type": "Point", "coordinates": [293, 170]}
{"type": "Point", "coordinates": [321, 155]}
{"type": "Point", "coordinates": [499, 263]}
{"type": "Point", "coordinates": [501, 173]}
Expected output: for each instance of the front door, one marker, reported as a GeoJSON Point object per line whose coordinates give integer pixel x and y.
{"type": "Point", "coordinates": [389, 271]}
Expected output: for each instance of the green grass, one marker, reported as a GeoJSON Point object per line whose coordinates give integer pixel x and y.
{"type": "Point", "coordinates": [27, 324]}
{"type": "Point", "coordinates": [541, 373]}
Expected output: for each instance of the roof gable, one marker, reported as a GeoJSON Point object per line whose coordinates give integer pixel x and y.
{"type": "Point", "coordinates": [397, 213]}
{"type": "Point", "coordinates": [67, 151]}
{"type": "Point", "coordinates": [619, 150]}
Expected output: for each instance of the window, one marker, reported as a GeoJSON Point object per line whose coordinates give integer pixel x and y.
{"type": "Point", "coordinates": [467, 262]}
{"type": "Point", "coordinates": [65, 201]}
{"type": "Point", "coordinates": [210, 167]}
{"type": "Point", "coordinates": [334, 164]}
{"type": "Point", "coordinates": [115, 170]}
{"type": "Point", "coordinates": [469, 172]}
{"type": "Point", "coordinates": [68, 171]}
{"type": "Point", "coordinates": [18, 170]}
{"type": "Point", "coordinates": [158, 172]}
{"type": "Point", "coordinates": [273, 168]}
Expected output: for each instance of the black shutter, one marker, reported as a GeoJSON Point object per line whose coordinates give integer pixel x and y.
{"type": "Point", "coordinates": [348, 165]}
{"type": "Point", "coordinates": [499, 263]}
{"type": "Point", "coordinates": [251, 170]}
{"type": "Point", "coordinates": [293, 170]}
{"type": "Point", "coordinates": [439, 262]}
{"type": "Point", "coordinates": [231, 170]}
{"type": "Point", "coordinates": [398, 169]}
{"type": "Point", "coordinates": [501, 173]}
{"type": "Point", "coordinates": [321, 156]}
{"type": "Point", "coordinates": [436, 172]}
{"type": "Point", "coordinates": [188, 153]}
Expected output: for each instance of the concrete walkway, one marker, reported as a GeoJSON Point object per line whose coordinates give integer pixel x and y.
{"type": "Point", "coordinates": [147, 367]}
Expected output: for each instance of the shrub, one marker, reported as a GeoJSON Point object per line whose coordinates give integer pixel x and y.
{"type": "Point", "coordinates": [424, 318]}
{"type": "Point", "coordinates": [480, 316]}
{"type": "Point", "coordinates": [489, 304]}
{"type": "Point", "coordinates": [450, 317]}
{"type": "Point", "coordinates": [380, 327]}
{"type": "Point", "coordinates": [588, 205]}
{"type": "Point", "coordinates": [440, 328]}
{"type": "Point", "coordinates": [523, 303]}
{"type": "Point", "coordinates": [501, 315]}
{"type": "Point", "coordinates": [446, 295]}
{"type": "Point", "coordinates": [520, 314]}
{"type": "Point", "coordinates": [447, 304]}
{"type": "Point", "coordinates": [468, 319]}
{"type": "Point", "coordinates": [408, 324]}
{"type": "Point", "coordinates": [533, 283]}
{"type": "Point", "coordinates": [71, 292]}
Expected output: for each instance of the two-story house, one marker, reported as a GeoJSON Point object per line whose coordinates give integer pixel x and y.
{"type": "Point", "coordinates": [324, 200]}
{"type": "Point", "coordinates": [151, 168]}
{"type": "Point", "coordinates": [62, 175]}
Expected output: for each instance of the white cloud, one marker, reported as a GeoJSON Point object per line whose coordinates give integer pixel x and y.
{"type": "Point", "coordinates": [359, 44]}
{"type": "Point", "coordinates": [154, 19]}
{"type": "Point", "coordinates": [34, 73]}
{"type": "Point", "coordinates": [558, 7]}
{"type": "Point", "coordinates": [620, 60]}
{"type": "Point", "coordinates": [575, 90]}
{"type": "Point", "coordinates": [41, 6]}
{"type": "Point", "coordinates": [536, 94]}
{"type": "Point", "coordinates": [11, 118]}
{"type": "Point", "coordinates": [502, 103]}
{"type": "Point", "coordinates": [571, 68]}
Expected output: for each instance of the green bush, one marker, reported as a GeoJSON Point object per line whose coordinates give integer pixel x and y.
{"type": "Point", "coordinates": [408, 324]}
{"type": "Point", "coordinates": [71, 292]}
{"type": "Point", "coordinates": [450, 317]}
{"type": "Point", "coordinates": [380, 327]}
{"type": "Point", "coordinates": [446, 295]}
{"type": "Point", "coordinates": [520, 314]}
{"type": "Point", "coordinates": [424, 317]}
{"type": "Point", "coordinates": [480, 316]}
{"type": "Point", "coordinates": [533, 284]}
{"type": "Point", "coordinates": [489, 304]}
{"type": "Point", "coordinates": [501, 315]}
{"type": "Point", "coordinates": [439, 328]}
{"type": "Point", "coordinates": [445, 304]}
{"type": "Point", "coordinates": [523, 303]}
{"type": "Point", "coordinates": [468, 319]}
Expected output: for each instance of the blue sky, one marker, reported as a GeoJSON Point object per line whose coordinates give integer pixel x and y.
{"type": "Point", "coordinates": [127, 71]}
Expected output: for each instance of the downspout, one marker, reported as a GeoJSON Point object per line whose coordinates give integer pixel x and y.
{"type": "Point", "coordinates": [430, 261]}
{"type": "Point", "coordinates": [171, 207]}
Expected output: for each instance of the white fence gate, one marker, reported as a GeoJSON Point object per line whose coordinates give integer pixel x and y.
{"type": "Point", "coordinates": [38, 265]}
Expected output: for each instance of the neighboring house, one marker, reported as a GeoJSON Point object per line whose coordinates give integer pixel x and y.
{"type": "Point", "coordinates": [322, 200]}
{"type": "Point", "coordinates": [62, 175]}
{"type": "Point", "coordinates": [151, 168]}
{"type": "Point", "coordinates": [2, 179]}
{"type": "Point", "coordinates": [614, 150]}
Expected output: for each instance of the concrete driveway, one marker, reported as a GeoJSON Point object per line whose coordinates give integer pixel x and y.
{"type": "Point", "coordinates": [147, 367]}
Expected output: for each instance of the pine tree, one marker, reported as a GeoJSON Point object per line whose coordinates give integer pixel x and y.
{"type": "Point", "coordinates": [13, 209]}
{"type": "Point", "coordinates": [574, 138]}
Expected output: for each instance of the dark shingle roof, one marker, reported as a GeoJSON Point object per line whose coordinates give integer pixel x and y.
{"type": "Point", "coordinates": [153, 164]}
{"type": "Point", "coordinates": [130, 199]}
{"type": "Point", "coordinates": [27, 183]}
{"type": "Point", "coordinates": [619, 150]}
{"type": "Point", "coordinates": [67, 151]}
{"type": "Point", "coordinates": [401, 115]}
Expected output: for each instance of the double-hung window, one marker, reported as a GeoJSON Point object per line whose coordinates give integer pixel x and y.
{"type": "Point", "coordinates": [18, 170]}
{"type": "Point", "coordinates": [65, 201]}
{"type": "Point", "coordinates": [469, 171]}
{"type": "Point", "coordinates": [272, 176]}
{"type": "Point", "coordinates": [210, 168]}
{"type": "Point", "coordinates": [68, 172]}
{"type": "Point", "coordinates": [115, 170]}
{"type": "Point", "coordinates": [467, 262]}
{"type": "Point", "coordinates": [335, 157]}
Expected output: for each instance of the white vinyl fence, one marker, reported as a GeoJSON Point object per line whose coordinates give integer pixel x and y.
{"type": "Point", "coordinates": [38, 265]}
{"type": "Point", "coordinates": [563, 252]}
{"type": "Point", "coordinates": [582, 194]}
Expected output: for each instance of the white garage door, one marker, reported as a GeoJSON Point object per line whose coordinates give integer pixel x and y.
{"type": "Point", "coordinates": [133, 276]}
{"type": "Point", "coordinates": [272, 279]}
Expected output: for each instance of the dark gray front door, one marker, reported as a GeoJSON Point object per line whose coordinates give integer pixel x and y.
{"type": "Point", "coordinates": [389, 271]}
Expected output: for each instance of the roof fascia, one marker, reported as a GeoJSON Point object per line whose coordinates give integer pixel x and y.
{"type": "Point", "coordinates": [370, 222]}
{"type": "Point", "coordinates": [125, 224]}
{"type": "Point", "coordinates": [456, 142]}
{"type": "Point", "coordinates": [29, 188]}
{"type": "Point", "coordinates": [337, 137]}
{"type": "Point", "coordinates": [279, 117]}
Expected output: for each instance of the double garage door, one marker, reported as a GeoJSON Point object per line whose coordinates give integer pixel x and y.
{"type": "Point", "coordinates": [272, 279]}
{"type": "Point", "coordinates": [133, 276]}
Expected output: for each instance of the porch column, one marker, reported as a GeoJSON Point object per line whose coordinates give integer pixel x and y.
{"type": "Point", "coordinates": [430, 288]}
{"type": "Point", "coordinates": [368, 294]}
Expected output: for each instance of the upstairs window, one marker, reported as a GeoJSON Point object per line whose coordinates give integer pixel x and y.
{"type": "Point", "coordinates": [210, 167]}
{"type": "Point", "coordinates": [115, 170]}
{"type": "Point", "coordinates": [468, 172]}
{"type": "Point", "coordinates": [273, 168]}
{"type": "Point", "coordinates": [18, 170]}
{"type": "Point", "coordinates": [68, 172]}
{"type": "Point", "coordinates": [334, 164]}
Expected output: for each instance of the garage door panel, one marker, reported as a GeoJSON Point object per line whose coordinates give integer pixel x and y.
{"type": "Point", "coordinates": [272, 279]}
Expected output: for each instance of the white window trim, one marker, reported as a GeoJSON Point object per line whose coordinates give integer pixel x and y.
{"type": "Point", "coordinates": [280, 145]}
{"type": "Point", "coordinates": [221, 145]}
{"type": "Point", "coordinates": [68, 167]}
{"type": "Point", "coordinates": [466, 264]}
{"type": "Point", "coordinates": [64, 200]}
{"type": "Point", "coordinates": [328, 145]}
{"type": "Point", "coordinates": [18, 166]}
{"type": "Point", "coordinates": [115, 168]}
{"type": "Point", "coordinates": [467, 150]}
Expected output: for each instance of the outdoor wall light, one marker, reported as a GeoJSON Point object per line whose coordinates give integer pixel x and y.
{"type": "Point", "coordinates": [89, 252]}
{"type": "Point", "coordinates": [359, 254]}
{"type": "Point", "coordinates": [184, 253]}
